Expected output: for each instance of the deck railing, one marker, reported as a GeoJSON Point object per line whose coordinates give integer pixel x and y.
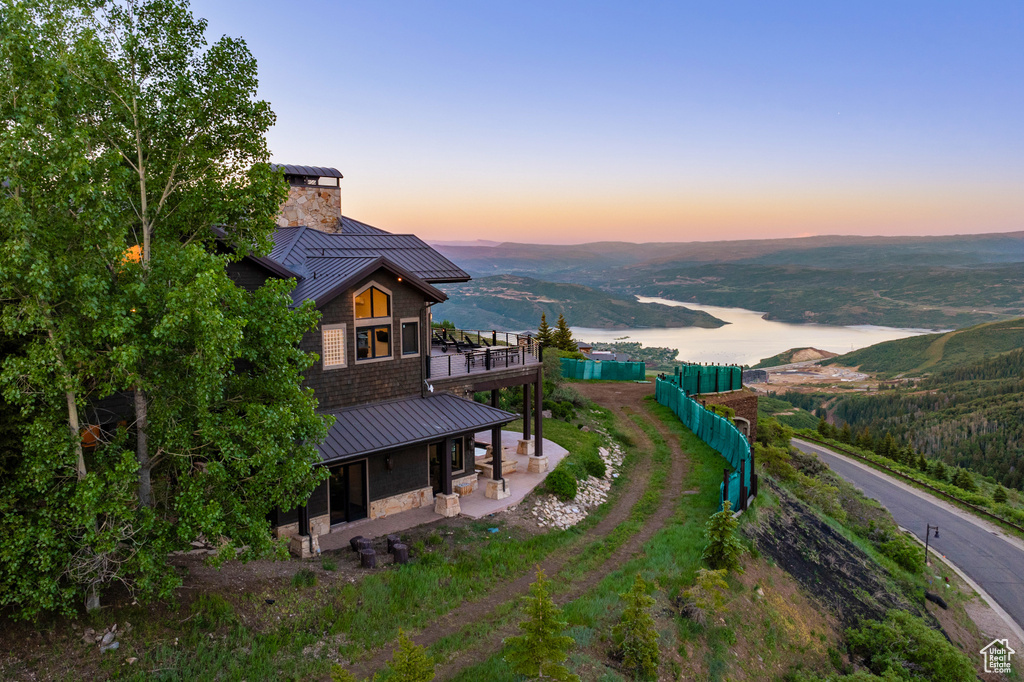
{"type": "Point", "coordinates": [471, 351]}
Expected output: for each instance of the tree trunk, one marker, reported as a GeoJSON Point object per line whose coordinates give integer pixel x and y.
{"type": "Point", "coordinates": [142, 449]}
{"type": "Point", "coordinates": [76, 436]}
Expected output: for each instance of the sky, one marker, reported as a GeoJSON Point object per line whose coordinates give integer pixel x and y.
{"type": "Point", "coordinates": [568, 122]}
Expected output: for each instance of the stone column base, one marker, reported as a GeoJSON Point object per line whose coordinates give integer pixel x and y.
{"type": "Point", "coordinates": [497, 490]}
{"type": "Point", "coordinates": [298, 545]}
{"type": "Point", "coordinates": [447, 505]}
{"type": "Point", "coordinates": [537, 465]}
{"type": "Point", "coordinates": [525, 447]}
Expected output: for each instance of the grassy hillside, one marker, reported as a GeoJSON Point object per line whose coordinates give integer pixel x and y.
{"type": "Point", "coordinates": [937, 352]}
{"type": "Point", "coordinates": [794, 355]}
{"type": "Point", "coordinates": [510, 302]}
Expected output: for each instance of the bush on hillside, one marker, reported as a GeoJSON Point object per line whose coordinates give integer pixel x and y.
{"type": "Point", "coordinates": [723, 549]}
{"type": "Point", "coordinates": [904, 552]}
{"type": "Point", "coordinates": [561, 483]}
{"type": "Point", "coordinates": [904, 642]}
{"type": "Point", "coordinates": [593, 463]}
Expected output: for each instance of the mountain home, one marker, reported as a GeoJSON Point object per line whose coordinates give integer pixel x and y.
{"type": "Point", "coordinates": [401, 394]}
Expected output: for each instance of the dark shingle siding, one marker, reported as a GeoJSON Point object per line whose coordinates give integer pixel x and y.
{"type": "Point", "coordinates": [409, 471]}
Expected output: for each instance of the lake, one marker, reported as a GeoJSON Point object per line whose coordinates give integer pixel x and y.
{"type": "Point", "coordinates": [747, 338]}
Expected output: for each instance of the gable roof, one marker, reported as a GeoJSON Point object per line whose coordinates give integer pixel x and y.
{"type": "Point", "coordinates": [393, 424]}
{"type": "Point", "coordinates": [330, 276]}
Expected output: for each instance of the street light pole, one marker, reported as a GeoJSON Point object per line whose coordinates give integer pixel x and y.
{"type": "Point", "coordinates": [926, 532]}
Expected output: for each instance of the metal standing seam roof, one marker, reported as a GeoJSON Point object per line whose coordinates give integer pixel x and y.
{"type": "Point", "coordinates": [352, 226]}
{"type": "Point", "coordinates": [326, 278]}
{"type": "Point", "coordinates": [292, 246]}
{"type": "Point", "coordinates": [393, 424]}
{"type": "Point", "coordinates": [318, 171]}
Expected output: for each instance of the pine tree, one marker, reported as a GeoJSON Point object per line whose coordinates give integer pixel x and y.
{"type": "Point", "coordinates": [999, 495]}
{"type": "Point", "coordinates": [962, 479]}
{"type": "Point", "coordinates": [544, 336]}
{"type": "Point", "coordinates": [635, 634]}
{"type": "Point", "coordinates": [922, 463]}
{"type": "Point", "coordinates": [823, 429]}
{"type": "Point", "coordinates": [723, 549]}
{"type": "Point", "coordinates": [562, 337]}
{"type": "Point", "coordinates": [938, 471]}
{"type": "Point", "coordinates": [410, 663]}
{"type": "Point", "coordinates": [705, 598]}
{"type": "Point", "coordinates": [846, 434]}
{"type": "Point", "coordinates": [865, 441]}
{"type": "Point", "coordinates": [540, 650]}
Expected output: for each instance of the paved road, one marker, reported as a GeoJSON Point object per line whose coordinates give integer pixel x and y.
{"type": "Point", "coordinates": [991, 559]}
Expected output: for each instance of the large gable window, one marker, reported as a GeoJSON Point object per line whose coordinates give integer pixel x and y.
{"type": "Point", "coordinates": [372, 302]}
{"type": "Point", "coordinates": [373, 323]}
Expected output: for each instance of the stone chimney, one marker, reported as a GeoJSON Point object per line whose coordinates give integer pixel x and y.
{"type": "Point", "coordinates": [314, 198]}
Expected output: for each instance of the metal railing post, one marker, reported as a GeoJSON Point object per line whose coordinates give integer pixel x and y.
{"type": "Point", "coordinates": [487, 359]}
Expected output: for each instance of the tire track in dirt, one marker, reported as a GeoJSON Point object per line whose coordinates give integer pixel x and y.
{"type": "Point", "coordinates": [623, 400]}
{"type": "Point", "coordinates": [626, 396]}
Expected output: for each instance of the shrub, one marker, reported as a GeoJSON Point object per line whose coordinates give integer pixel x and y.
{"type": "Point", "coordinates": [339, 674]}
{"type": "Point", "coordinates": [905, 553]}
{"type": "Point", "coordinates": [999, 495]}
{"type": "Point", "coordinates": [593, 463]}
{"type": "Point", "coordinates": [723, 549]}
{"type": "Point", "coordinates": [705, 598]}
{"type": "Point", "coordinates": [775, 460]}
{"type": "Point", "coordinates": [962, 479]}
{"type": "Point", "coordinates": [723, 411]}
{"type": "Point", "coordinates": [903, 642]}
{"type": "Point", "coordinates": [569, 394]}
{"type": "Point", "coordinates": [563, 411]}
{"type": "Point", "coordinates": [819, 494]}
{"type": "Point", "coordinates": [635, 634]}
{"type": "Point", "coordinates": [561, 484]}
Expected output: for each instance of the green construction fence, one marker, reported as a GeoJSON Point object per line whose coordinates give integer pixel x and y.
{"type": "Point", "coordinates": [607, 370]}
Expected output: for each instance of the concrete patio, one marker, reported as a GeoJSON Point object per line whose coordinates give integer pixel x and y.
{"type": "Point", "coordinates": [474, 506]}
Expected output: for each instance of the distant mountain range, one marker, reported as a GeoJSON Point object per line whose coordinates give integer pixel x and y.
{"type": "Point", "coordinates": [509, 302]}
{"type": "Point", "coordinates": [927, 282]}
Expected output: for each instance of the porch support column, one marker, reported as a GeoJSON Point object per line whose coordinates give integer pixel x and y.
{"type": "Point", "coordinates": [538, 407]}
{"type": "Point", "coordinates": [495, 442]}
{"type": "Point", "coordinates": [445, 503]}
{"type": "Point", "coordinates": [446, 467]}
{"type": "Point", "coordinates": [526, 411]}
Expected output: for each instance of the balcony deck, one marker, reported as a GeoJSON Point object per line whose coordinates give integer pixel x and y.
{"type": "Point", "coordinates": [463, 353]}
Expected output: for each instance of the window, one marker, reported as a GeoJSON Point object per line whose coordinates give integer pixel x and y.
{"type": "Point", "coordinates": [373, 342]}
{"type": "Point", "coordinates": [373, 313]}
{"type": "Point", "coordinates": [372, 302]}
{"type": "Point", "coordinates": [333, 344]}
{"type": "Point", "coordinates": [410, 337]}
{"type": "Point", "coordinates": [458, 460]}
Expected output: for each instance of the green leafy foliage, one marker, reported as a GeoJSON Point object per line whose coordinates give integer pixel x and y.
{"type": "Point", "coordinates": [635, 635]}
{"type": "Point", "coordinates": [904, 646]}
{"type": "Point", "coordinates": [561, 483]}
{"type": "Point", "coordinates": [541, 649]}
{"type": "Point", "coordinates": [126, 138]}
{"type": "Point", "coordinates": [904, 552]}
{"type": "Point", "coordinates": [723, 548]}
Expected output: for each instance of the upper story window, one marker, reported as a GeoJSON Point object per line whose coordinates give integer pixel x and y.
{"type": "Point", "coordinates": [333, 344]}
{"type": "Point", "coordinates": [373, 323]}
{"type": "Point", "coordinates": [372, 302]}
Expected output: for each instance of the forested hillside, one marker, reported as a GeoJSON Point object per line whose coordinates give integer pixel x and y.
{"type": "Point", "coordinates": [971, 415]}
{"type": "Point", "coordinates": [936, 352]}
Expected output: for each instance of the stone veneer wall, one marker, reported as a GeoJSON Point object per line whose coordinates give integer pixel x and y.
{"type": "Point", "coordinates": [744, 402]}
{"type": "Point", "coordinates": [472, 479]}
{"type": "Point", "coordinates": [316, 207]}
{"type": "Point", "coordinates": [318, 524]}
{"type": "Point", "coordinates": [424, 497]}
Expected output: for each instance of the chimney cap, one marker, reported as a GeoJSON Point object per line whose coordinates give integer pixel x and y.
{"type": "Point", "coordinates": [307, 171]}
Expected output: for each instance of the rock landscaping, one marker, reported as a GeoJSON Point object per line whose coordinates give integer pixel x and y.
{"type": "Point", "coordinates": [550, 512]}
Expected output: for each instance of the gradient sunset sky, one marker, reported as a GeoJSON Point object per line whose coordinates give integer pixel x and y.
{"type": "Point", "coordinates": [564, 122]}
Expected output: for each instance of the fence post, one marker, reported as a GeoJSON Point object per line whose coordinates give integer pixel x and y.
{"type": "Point", "coordinates": [494, 337]}
{"type": "Point", "coordinates": [743, 485]}
{"type": "Point", "coordinates": [487, 359]}
{"type": "Point", "coordinates": [753, 475]}
{"type": "Point", "coordinates": [725, 486]}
